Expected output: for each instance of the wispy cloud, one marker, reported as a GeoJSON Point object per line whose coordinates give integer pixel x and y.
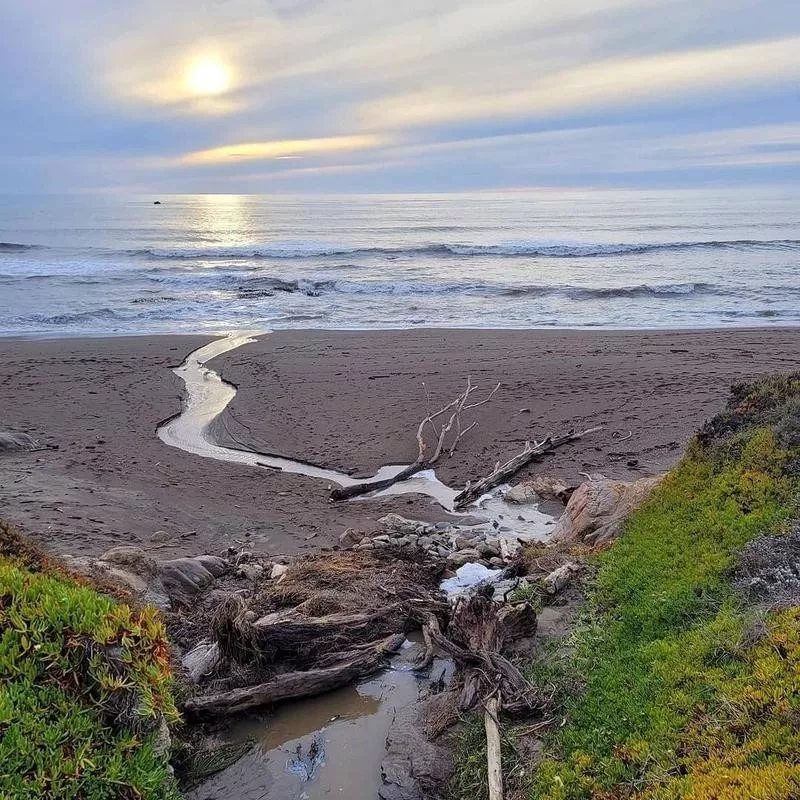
{"type": "Point", "coordinates": [286, 149]}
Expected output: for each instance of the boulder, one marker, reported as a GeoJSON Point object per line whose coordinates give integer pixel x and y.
{"type": "Point", "coordinates": [133, 558]}
{"type": "Point", "coordinates": [185, 578]}
{"type": "Point", "coordinates": [251, 571]}
{"type": "Point", "coordinates": [461, 557]}
{"type": "Point", "coordinates": [539, 487]}
{"type": "Point", "coordinates": [560, 578]}
{"type": "Point", "coordinates": [278, 571]}
{"type": "Point", "coordinates": [130, 568]}
{"type": "Point", "coordinates": [214, 564]}
{"type": "Point", "coordinates": [350, 537]}
{"type": "Point", "coordinates": [401, 526]}
{"type": "Point", "coordinates": [598, 508]}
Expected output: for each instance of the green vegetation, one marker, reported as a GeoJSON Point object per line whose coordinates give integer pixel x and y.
{"type": "Point", "coordinates": [84, 687]}
{"type": "Point", "coordinates": [687, 692]}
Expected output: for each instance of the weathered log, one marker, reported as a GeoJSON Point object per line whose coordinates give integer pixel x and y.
{"type": "Point", "coordinates": [494, 766]}
{"type": "Point", "coordinates": [359, 489]}
{"type": "Point", "coordinates": [503, 472]}
{"type": "Point", "coordinates": [288, 686]}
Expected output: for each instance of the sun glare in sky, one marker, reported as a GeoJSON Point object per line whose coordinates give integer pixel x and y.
{"type": "Point", "coordinates": [208, 76]}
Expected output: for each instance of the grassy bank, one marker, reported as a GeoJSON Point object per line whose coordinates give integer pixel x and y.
{"type": "Point", "coordinates": [675, 681]}
{"type": "Point", "coordinates": [84, 687]}
{"type": "Point", "coordinates": [686, 689]}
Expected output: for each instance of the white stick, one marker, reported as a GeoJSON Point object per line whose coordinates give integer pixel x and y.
{"type": "Point", "coordinates": [493, 763]}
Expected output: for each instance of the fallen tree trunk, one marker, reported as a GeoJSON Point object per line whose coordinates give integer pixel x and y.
{"type": "Point", "coordinates": [293, 685]}
{"type": "Point", "coordinates": [503, 472]}
{"type": "Point", "coordinates": [289, 638]}
{"type": "Point", "coordinates": [359, 489]}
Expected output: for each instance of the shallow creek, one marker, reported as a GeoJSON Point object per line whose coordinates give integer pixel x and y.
{"type": "Point", "coordinates": [321, 747]}
{"type": "Point", "coordinates": [331, 745]}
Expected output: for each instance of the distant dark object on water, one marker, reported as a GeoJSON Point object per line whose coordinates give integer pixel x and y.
{"type": "Point", "coordinates": [156, 202]}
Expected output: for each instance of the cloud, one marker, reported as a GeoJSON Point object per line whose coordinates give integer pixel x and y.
{"type": "Point", "coordinates": [260, 151]}
{"type": "Point", "coordinates": [386, 95]}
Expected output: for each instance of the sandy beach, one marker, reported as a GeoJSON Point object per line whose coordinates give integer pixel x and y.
{"type": "Point", "coordinates": [348, 400]}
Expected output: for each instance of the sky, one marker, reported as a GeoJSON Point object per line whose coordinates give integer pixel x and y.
{"type": "Point", "coordinates": [397, 95]}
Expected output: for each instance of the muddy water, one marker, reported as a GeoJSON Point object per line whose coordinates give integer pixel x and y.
{"type": "Point", "coordinates": [321, 747]}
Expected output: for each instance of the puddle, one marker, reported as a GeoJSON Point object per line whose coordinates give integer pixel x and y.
{"type": "Point", "coordinates": [321, 747]}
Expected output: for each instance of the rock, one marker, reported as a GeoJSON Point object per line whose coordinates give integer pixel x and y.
{"type": "Point", "coordinates": [443, 552]}
{"type": "Point", "coordinates": [251, 571]}
{"type": "Point", "coordinates": [560, 578]}
{"type": "Point", "coordinates": [162, 742]}
{"type": "Point", "coordinates": [278, 571]}
{"type": "Point", "coordinates": [496, 561]}
{"type": "Point", "coordinates": [488, 551]}
{"type": "Point", "coordinates": [184, 578]}
{"type": "Point", "coordinates": [426, 541]}
{"type": "Point", "coordinates": [539, 487]}
{"type": "Point", "coordinates": [413, 767]}
{"type": "Point", "coordinates": [402, 541]}
{"type": "Point", "coordinates": [134, 558]}
{"type": "Point", "coordinates": [161, 537]}
{"type": "Point", "coordinates": [461, 542]}
{"type": "Point", "coordinates": [202, 660]}
{"type": "Point", "coordinates": [146, 586]}
{"type": "Point", "coordinates": [215, 565]}
{"type": "Point", "coordinates": [461, 557]}
{"type": "Point", "coordinates": [350, 537]}
{"type": "Point", "coordinates": [401, 525]}
{"type": "Point", "coordinates": [381, 539]}
{"type": "Point", "coordinates": [597, 509]}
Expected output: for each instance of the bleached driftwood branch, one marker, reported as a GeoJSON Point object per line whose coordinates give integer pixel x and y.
{"type": "Point", "coordinates": [502, 472]}
{"type": "Point", "coordinates": [440, 430]}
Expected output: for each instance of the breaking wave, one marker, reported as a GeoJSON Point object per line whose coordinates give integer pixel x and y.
{"type": "Point", "coordinates": [264, 286]}
{"type": "Point", "coordinates": [507, 250]}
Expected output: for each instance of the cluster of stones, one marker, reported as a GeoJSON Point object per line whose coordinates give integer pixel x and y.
{"type": "Point", "coordinates": [455, 546]}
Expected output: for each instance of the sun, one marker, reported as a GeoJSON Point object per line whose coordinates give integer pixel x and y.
{"type": "Point", "coordinates": [208, 76]}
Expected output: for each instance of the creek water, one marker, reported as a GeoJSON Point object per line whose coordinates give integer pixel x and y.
{"type": "Point", "coordinates": [207, 395]}
{"type": "Point", "coordinates": [331, 745]}
{"type": "Point", "coordinates": [321, 747]}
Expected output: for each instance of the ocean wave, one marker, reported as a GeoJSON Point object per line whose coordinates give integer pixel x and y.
{"type": "Point", "coordinates": [13, 247]}
{"type": "Point", "coordinates": [302, 250]}
{"type": "Point", "coordinates": [266, 286]}
{"type": "Point", "coordinates": [79, 317]}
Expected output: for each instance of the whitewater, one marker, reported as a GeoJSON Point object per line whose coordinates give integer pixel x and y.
{"type": "Point", "coordinates": [218, 263]}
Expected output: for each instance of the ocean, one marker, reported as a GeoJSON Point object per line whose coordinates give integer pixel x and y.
{"type": "Point", "coordinates": [107, 265]}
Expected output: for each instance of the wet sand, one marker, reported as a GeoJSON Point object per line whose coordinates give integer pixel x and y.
{"type": "Point", "coordinates": [350, 401]}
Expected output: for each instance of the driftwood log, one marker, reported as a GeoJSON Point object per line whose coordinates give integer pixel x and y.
{"type": "Point", "coordinates": [447, 430]}
{"type": "Point", "coordinates": [345, 668]}
{"type": "Point", "coordinates": [502, 472]}
{"type": "Point", "coordinates": [290, 638]}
